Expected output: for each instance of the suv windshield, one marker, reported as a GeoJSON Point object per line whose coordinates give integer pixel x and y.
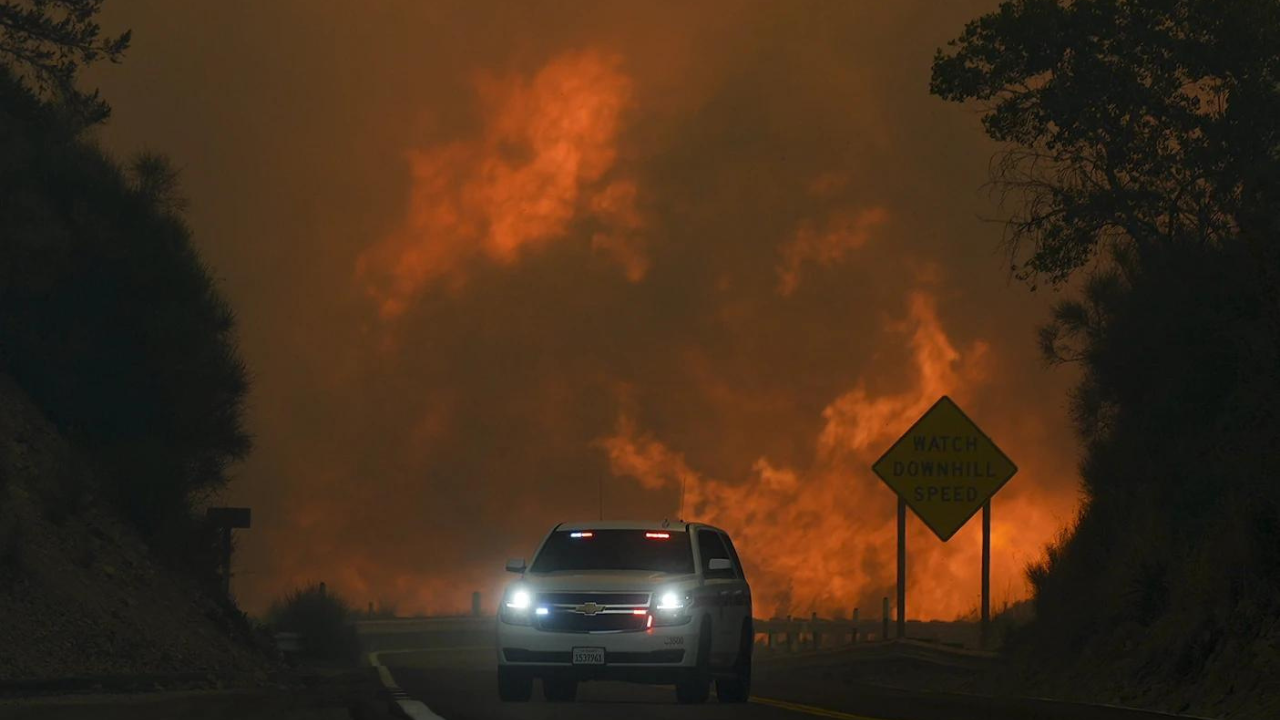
{"type": "Point", "coordinates": [666, 551]}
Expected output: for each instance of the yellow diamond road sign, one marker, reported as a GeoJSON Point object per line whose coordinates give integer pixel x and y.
{"type": "Point", "coordinates": [945, 468]}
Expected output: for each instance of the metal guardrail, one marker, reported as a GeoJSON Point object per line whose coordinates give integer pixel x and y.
{"type": "Point", "coordinates": [812, 633]}
{"type": "Point", "coordinates": [795, 634]}
{"type": "Point", "coordinates": [423, 624]}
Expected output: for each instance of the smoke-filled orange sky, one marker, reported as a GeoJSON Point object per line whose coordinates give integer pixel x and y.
{"type": "Point", "coordinates": [490, 258]}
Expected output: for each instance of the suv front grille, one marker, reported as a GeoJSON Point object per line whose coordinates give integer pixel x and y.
{"type": "Point", "coordinates": [592, 612]}
{"type": "Point", "coordinates": [575, 622]}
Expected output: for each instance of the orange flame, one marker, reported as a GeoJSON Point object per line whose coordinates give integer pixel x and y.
{"type": "Point", "coordinates": [542, 161]}
{"type": "Point", "coordinates": [823, 538]}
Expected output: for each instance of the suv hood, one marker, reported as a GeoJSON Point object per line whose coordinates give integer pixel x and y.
{"type": "Point", "coordinates": [602, 581]}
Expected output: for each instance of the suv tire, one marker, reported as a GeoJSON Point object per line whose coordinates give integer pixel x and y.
{"type": "Point", "coordinates": [695, 686]}
{"type": "Point", "coordinates": [737, 687]}
{"type": "Point", "coordinates": [513, 685]}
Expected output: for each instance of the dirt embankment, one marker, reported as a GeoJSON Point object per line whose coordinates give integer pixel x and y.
{"type": "Point", "coordinates": [80, 594]}
{"type": "Point", "coordinates": [1238, 675]}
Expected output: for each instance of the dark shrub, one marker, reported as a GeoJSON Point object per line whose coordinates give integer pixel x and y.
{"type": "Point", "coordinates": [322, 619]}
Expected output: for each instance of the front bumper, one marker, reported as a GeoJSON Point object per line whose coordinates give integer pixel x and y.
{"type": "Point", "coordinates": [660, 654]}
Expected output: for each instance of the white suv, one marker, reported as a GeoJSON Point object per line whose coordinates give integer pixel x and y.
{"type": "Point", "coordinates": [661, 602]}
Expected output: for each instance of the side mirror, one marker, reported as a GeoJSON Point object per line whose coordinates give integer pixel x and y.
{"type": "Point", "coordinates": [515, 565]}
{"type": "Point", "coordinates": [719, 565]}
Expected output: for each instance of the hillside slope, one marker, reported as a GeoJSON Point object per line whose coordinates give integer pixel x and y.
{"type": "Point", "coordinates": [80, 595]}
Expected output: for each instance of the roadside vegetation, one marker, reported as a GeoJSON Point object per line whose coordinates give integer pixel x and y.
{"type": "Point", "coordinates": [323, 621]}
{"type": "Point", "coordinates": [109, 320]}
{"type": "Point", "coordinates": [1141, 173]}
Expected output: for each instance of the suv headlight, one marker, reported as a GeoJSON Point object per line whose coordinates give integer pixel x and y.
{"type": "Point", "coordinates": [517, 606]}
{"type": "Point", "coordinates": [672, 607]}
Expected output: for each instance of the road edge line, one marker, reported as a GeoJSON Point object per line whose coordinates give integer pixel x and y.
{"type": "Point", "coordinates": [415, 709]}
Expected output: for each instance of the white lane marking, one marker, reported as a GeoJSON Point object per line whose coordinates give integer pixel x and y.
{"type": "Point", "coordinates": [417, 710]}
{"type": "Point", "coordinates": [413, 708]}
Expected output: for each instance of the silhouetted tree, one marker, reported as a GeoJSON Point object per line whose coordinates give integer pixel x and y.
{"type": "Point", "coordinates": [1137, 122]}
{"type": "Point", "coordinates": [1142, 138]}
{"type": "Point", "coordinates": [110, 320]}
{"type": "Point", "coordinates": [48, 41]}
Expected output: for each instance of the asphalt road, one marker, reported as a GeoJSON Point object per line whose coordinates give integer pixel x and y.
{"type": "Point", "coordinates": [454, 674]}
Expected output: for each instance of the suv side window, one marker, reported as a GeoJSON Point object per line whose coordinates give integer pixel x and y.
{"type": "Point", "coordinates": [733, 554]}
{"type": "Point", "coordinates": [711, 546]}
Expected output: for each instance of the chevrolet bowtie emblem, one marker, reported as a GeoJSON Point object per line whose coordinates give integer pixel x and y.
{"type": "Point", "coordinates": [589, 608]}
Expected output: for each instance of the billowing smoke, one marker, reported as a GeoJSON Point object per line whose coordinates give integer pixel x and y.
{"type": "Point", "coordinates": [499, 268]}
{"type": "Point", "coordinates": [540, 161]}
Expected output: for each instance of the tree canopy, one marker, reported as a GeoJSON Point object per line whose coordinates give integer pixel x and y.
{"type": "Point", "coordinates": [1147, 133]}
{"type": "Point", "coordinates": [1126, 122]}
{"type": "Point", "coordinates": [47, 42]}
{"type": "Point", "coordinates": [109, 318]}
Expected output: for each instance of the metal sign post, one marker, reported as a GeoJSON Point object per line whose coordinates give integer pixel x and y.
{"type": "Point", "coordinates": [902, 568]}
{"type": "Point", "coordinates": [945, 468]}
{"type": "Point", "coordinates": [986, 569]}
{"type": "Point", "coordinates": [226, 518]}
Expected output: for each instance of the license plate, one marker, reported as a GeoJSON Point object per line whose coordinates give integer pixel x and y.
{"type": "Point", "coordinates": [588, 656]}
